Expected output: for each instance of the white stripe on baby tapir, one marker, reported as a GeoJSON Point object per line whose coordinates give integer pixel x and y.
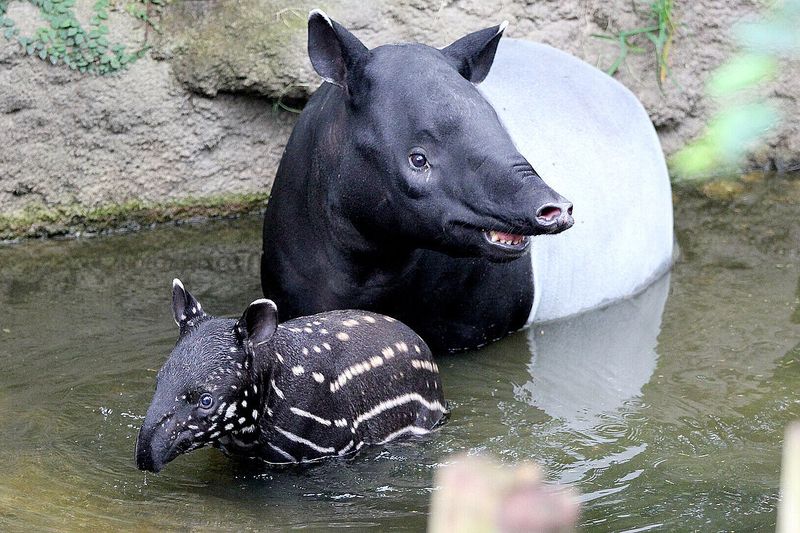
{"type": "Point", "coordinates": [401, 346]}
{"type": "Point", "coordinates": [417, 349]}
{"type": "Point", "coordinates": [319, 378]}
{"type": "Point", "coordinates": [285, 454]}
{"type": "Point", "coordinates": [396, 402]}
{"type": "Point", "coordinates": [297, 370]}
{"type": "Point", "coordinates": [340, 422]}
{"type": "Point", "coordinates": [346, 448]}
{"type": "Point", "coordinates": [416, 430]}
{"type": "Point", "coordinates": [326, 346]}
{"type": "Point", "coordinates": [295, 438]}
{"type": "Point", "coordinates": [306, 414]}
{"type": "Point", "coordinates": [388, 352]}
{"type": "Point", "coordinates": [430, 366]}
{"type": "Point", "coordinates": [277, 390]}
{"type": "Point", "coordinates": [355, 370]}
{"type": "Point", "coordinates": [280, 357]}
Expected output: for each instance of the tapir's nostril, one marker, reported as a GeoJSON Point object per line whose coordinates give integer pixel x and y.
{"type": "Point", "coordinates": [549, 212]}
{"type": "Point", "coordinates": [569, 211]}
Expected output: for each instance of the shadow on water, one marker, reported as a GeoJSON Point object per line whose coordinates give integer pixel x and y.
{"type": "Point", "coordinates": [663, 411]}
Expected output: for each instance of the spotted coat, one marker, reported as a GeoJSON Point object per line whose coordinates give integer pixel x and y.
{"type": "Point", "coordinates": [313, 387]}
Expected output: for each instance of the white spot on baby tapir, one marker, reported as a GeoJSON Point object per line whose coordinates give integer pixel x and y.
{"type": "Point", "coordinates": [249, 429]}
{"type": "Point", "coordinates": [244, 402]}
{"type": "Point", "coordinates": [221, 407]}
{"type": "Point", "coordinates": [255, 414]}
{"type": "Point", "coordinates": [284, 454]}
{"type": "Point", "coordinates": [323, 331]}
{"type": "Point", "coordinates": [298, 370]}
{"type": "Point", "coordinates": [279, 356]}
{"type": "Point", "coordinates": [194, 310]}
{"type": "Point", "coordinates": [425, 365]}
{"type": "Point", "coordinates": [355, 370]}
{"type": "Point", "coordinates": [295, 330]}
{"type": "Point", "coordinates": [369, 319]}
{"type": "Point", "coordinates": [214, 435]}
{"type": "Point", "coordinates": [349, 323]}
{"type": "Point", "coordinates": [232, 349]}
{"type": "Point", "coordinates": [245, 395]}
{"type": "Point", "coordinates": [319, 378]}
{"type": "Point", "coordinates": [317, 349]}
{"type": "Point", "coordinates": [308, 330]}
{"type": "Point", "coordinates": [389, 319]}
{"type": "Point", "coordinates": [305, 350]}
{"type": "Point", "coordinates": [342, 336]}
{"type": "Point", "coordinates": [395, 402]}
{"type": "Point", "coordinates": [388, 352]}
{"type": "Point", "coordinates": [230, 411]}
{"type": "Point", "coordinates": [278, 391]}
{"type": "Point", "coordinates": [317, 323]}
{"type": "Point", "coordinates": [301, 440]}
{"type": "Point", "coordinates": [242, 420]}
{"type": "Point", "coordinates": [401, 346]}
{"type": "Point", "coordinates": [269, 411]}
{"type": "Point", "coordinates": [326, 346]}
{"type": "Point", "coordinates": [340, 422]}
{"type": "Point", "coordinates": [306, 414]}
{"type": "Point", "coordinates": [228, 427]}
{"type": "Point", "coordinates": [416, 430]}
{"type": "Point", "coordinates": [255, 389]}
{"type": "Point", "coordinates": [417, 349]}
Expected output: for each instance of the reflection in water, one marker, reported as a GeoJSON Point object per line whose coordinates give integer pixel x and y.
{"type": "Point", "coordinates": [593, 363]}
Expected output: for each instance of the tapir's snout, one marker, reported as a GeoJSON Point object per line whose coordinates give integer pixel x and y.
{"type": "Point", "coordinates": [554, 217]}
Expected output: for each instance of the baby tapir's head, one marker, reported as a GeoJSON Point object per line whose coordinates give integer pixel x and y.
{"type": "Point", "coordinates": [208, 389]}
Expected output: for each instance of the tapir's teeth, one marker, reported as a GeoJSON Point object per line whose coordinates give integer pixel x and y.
{"type": "Point", "coordinates": [508, 239]}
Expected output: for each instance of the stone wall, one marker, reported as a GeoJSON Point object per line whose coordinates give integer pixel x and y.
{"type": "Point", "coordinates": [196, 118]}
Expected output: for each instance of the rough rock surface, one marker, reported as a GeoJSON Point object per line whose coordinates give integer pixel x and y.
{"type": "Point", "coordinates": [195, 117]}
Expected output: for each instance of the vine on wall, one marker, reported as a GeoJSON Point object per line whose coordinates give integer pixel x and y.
{"type": "Point", "coordinates": [84, 48]}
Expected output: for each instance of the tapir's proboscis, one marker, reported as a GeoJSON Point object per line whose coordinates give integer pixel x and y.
{"type": "Point", "coordinates": [314, 387]}
{"type": "Point", "coordinates": [401, 192]}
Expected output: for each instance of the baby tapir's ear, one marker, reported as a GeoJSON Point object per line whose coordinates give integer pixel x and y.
{"type": "Point", "coordinates": [259, 321]}
{"type": "Point", "coordinates": [185, 307]}
{"type": "Point", "coordinates": [473, 54]}
{"type": "Point", "coordinates": [332, 49]}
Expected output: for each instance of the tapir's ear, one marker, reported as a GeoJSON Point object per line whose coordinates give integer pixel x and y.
{"type": "Point", "coordinates": [259, 321]}
{"type": "Point", "coordinates": [332, 49]}
{"type": "Point", "coordinates": [185, 307]}
{"type": "Point", "coordinates": [473, 54]}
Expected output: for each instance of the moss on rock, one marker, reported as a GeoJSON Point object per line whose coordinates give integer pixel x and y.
{"type": "Point", "coordinates": [41, 221]}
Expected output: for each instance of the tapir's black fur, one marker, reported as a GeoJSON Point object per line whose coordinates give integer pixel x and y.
{"type": "Point", "coordinates": [393, 177]}
{"type": "Point", "coordinates": [317, 386]}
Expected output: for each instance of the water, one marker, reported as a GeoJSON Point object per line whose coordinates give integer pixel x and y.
{"type": "Point", "coordinates": [666, 411]}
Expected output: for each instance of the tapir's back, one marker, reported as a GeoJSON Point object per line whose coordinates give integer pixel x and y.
{"type": "Point", "coordinates": [344, 379]}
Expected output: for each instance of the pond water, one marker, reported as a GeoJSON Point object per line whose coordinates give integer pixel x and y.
{"type": "Point", "coordinates": [664, 412]}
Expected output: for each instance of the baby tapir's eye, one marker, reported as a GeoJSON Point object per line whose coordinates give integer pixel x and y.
{"type": "Point", "coordinates": [418, 161]}
{"type": "Point", "coordinates": [206, 401]}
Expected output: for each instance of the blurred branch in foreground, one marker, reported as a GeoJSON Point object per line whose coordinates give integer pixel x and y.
{"type": "Point", "coordinates": [789, 507]}
{"type": "Point", "coordinates": [478, 495]}
{"type": "Point", "coordinates": [745, 118]}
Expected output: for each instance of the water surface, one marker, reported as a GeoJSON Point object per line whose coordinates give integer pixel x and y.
{"type": "Point", "coordinates": [666, 411]}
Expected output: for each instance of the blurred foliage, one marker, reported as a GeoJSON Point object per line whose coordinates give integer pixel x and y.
{"type": "Point", "coordinates": [744, 118]}
{"type": "Point", "coordinates": [659, 33]}
{"type": "Point", "coordinates": [82, 47]}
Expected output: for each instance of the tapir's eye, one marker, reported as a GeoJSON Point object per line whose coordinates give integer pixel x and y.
{"type": "Point", "coordinates": [206, 401]}
{"type": "Point", "coordinates": [418, 161]}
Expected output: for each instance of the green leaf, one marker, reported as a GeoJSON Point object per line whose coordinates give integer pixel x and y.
{"type": "Point", "coordinates": [741, 72]}
{"type": "Point", "coordinates": [43, 54]}
{"type": "Point", "coordinates": [9, 33]}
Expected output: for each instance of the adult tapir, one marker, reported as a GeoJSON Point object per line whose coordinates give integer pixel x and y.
{"type": "Point", "coordinates": [401, 192]}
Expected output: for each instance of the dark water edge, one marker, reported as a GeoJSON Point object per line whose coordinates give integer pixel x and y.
{"type": "Point", "coordinates": [666, 411]}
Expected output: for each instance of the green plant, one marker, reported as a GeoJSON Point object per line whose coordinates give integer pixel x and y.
{"type": "Point", "coordinates": [745, 117]}
{"type": "Point", "coordinates": [659, 33]}
{"type": "Point", "coordinates": [64, 39]}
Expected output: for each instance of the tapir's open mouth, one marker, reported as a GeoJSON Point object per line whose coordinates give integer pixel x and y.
{"type": "Point", "coordinates": [506, 241]}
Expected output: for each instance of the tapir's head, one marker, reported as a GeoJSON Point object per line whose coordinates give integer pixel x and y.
{"type": "Point", "coordinates": [423, 156]}
{"type": "Point", "coordinates": [208, 389]}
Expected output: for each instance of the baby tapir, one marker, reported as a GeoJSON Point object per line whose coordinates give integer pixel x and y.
{"type": "Point", "coordinates": [313, 387]}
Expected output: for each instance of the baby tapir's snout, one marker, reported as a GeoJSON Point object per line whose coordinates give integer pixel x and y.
{"type": "Point", "coordinates": [313, 387]}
